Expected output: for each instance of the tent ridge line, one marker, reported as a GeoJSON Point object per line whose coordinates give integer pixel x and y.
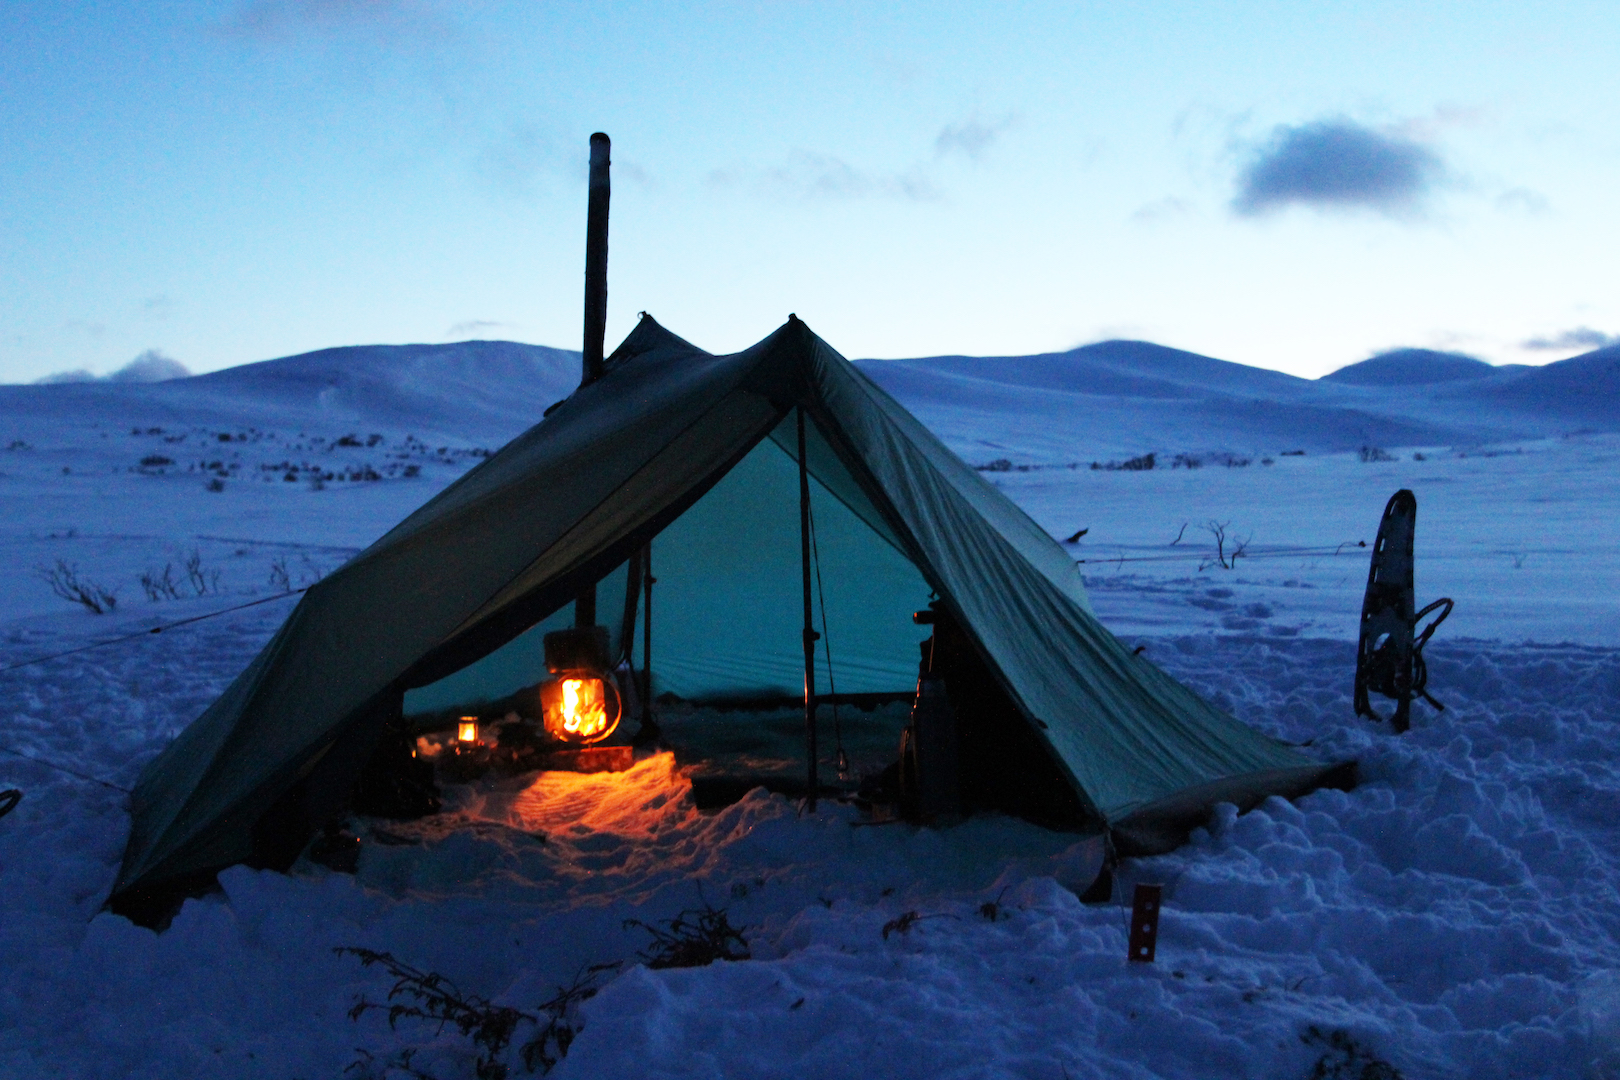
{"type": "Point", "coordinates": [740, 376]}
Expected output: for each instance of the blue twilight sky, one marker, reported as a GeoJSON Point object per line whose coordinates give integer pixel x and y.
{"type": "Point", "coordinates": [1291, 185]}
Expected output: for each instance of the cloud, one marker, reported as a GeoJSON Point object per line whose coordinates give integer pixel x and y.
{"type": "Point", "coordinates": [971, 137]}
{"type": "Point", "coordinates": [159, 306]}
{"type": "Point", "coordinates": [151, 366]}
{"type": "Point", "coordinates": [526, 153]}
{"type": "Point", "coordinates": [1337, 163]}
{"type": "Point", "coordinates": [282, 20]}
{"type": "Point", "coordinates": [1581, 337]}
{"type": "Point", "coordinates": [817, 177]}
{"type": "Point", "coordinates": [1161, 209]}
{"type": "Point", "coordinates": [471, 328]}
{"type": "Point", "coordinates": [88, 326]}
{"type": "Point", "coordinates": [1523, 200]}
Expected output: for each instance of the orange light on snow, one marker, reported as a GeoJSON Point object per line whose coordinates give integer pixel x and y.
{"type": "Point", "coordinates": [467, 729]}
{"type": "Point", "coordinates": [580, 708]}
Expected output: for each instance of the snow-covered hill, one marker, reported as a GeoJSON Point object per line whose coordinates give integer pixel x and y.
{"type": "Point", "coordinates": [1412, 367]}
{"type": "Point", "coordinates": [1134, 397]}
{"type": "Point", "coordinates": [480, 390]}
{"type": "Point", "coordinates": [1455, 915]}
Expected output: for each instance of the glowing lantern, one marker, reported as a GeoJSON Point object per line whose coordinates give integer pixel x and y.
{"type": "Point", "coordinates": [581, 705]}
{"type": "Point", "coordinates": [467, 729]}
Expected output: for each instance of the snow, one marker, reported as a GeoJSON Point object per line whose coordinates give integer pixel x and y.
{"type": "Point", "coordinates": [1456, 913]}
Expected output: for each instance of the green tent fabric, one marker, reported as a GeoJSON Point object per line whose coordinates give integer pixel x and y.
{"type": "Point", "coordinates": [609, 469]}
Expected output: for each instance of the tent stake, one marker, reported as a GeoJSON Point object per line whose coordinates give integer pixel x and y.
{"type": "Point", "coordinates": [810, 634]}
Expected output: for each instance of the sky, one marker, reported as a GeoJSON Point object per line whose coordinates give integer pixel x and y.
{"type": "Point", "coordinates": [1292, 186]}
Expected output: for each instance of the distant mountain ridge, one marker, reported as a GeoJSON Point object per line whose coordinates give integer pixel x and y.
{"type": "Point", "coordinates": [1095, 401]}
{"type": "Point", "coordinates": [471, 389]}
{"type": "Point", "coordinates": [1412, 367]}
{"type": "Point", "coordinates": [1133, 396]}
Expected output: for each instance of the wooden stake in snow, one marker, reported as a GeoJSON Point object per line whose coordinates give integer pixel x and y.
{"type": "Point", "coordinates": [1145, 923]}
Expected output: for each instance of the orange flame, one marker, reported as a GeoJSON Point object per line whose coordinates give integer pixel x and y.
{"type": "Point", "coordinates": [584, 713]}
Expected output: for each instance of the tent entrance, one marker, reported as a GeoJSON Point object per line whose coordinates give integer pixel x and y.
{"type": "Point", "coordinates": [727, 659]}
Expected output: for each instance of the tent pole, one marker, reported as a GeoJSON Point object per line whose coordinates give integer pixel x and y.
{"type": "Point", "coordinates": [810, 634]}
{"type": "Point", "coordinates": [596, 253]}
{"type": "Point", "coordinates": [649, 727]}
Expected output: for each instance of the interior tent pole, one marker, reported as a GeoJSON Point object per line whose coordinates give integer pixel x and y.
{"type": "Point", "coordinates": [649, 727]}
{"type": "Point", "coordinates": [810, 634]}
{"type": "Point", "coordinates": [596, 254]}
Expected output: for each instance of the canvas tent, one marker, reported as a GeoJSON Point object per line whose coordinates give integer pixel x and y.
{"type": "Point", "coordinates": [617, 464]}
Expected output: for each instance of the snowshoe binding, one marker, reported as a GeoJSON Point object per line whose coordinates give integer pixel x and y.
{"type": "Point", "coordinates": [1389, 655]}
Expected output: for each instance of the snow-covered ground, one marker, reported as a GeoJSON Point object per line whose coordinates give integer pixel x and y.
{"type": "Point", "coordinates": [1456, 914]}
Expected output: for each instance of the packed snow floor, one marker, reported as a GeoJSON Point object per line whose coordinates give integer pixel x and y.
{"type": "Point", "coordinates": [1456, 914]}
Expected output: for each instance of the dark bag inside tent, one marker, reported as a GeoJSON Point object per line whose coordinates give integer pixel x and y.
{"type": "Point", "coordinates": [695, 457]}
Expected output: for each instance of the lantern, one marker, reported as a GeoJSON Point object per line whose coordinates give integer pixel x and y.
{"type": "Point", "coordinates": [581, 705]}
{"type": "Point", "coordinates": [467, 730]}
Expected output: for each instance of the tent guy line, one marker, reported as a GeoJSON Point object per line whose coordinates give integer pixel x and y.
{"type": "Point", "coordinates": [154, 630]}
{"type": "Point", "coordinates": [68, 771]}
{"type": "Point", "coordinates": [1286, 553]}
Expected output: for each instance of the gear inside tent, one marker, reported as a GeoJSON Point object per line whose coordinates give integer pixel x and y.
{"type": "Point", "coordinates": [900, 554]}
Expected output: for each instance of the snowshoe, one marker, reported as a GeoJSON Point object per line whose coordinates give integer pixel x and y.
{"type": "Point", "coordinates": [1389, 655]}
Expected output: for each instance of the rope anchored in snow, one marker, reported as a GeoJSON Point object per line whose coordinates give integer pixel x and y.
{"type": "Point", "coordinates": [148, 633]}
{"type": "Point", "coordinates": [6, 808]}
{"type": "Point", "coordinates": [1281, 553]}
{"type": "Point", "coordinates": [62, 769]}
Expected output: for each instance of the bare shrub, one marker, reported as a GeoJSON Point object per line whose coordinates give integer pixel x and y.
{"type": "Point", "coordinates": [427, 995]}
{"type": "Point", "coordinates": [64, 580]}
{"type": "Point", "coordinates": [903, 923]}
{"type": "Point", "coordinates": [1226, 560]}
{"type": "Point", "coordinates": [1346, 1059]}
{"type": "Point", "coordinates": [160, 586]}
{"type": "Point", "coordinates": [203, 581]}
{"type": "Point", "coordinates": [1144, 463]}
{"type": "Point", "coordinates": [1374, 453]}
{"type": "Point", "coordinates": [694, 938]}
{"type": "Point", "coordinates": [991, 910]}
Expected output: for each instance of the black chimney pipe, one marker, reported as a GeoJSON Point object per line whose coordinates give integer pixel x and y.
{"type": "Point", "coordinates": [596, 256]}
{"type": "Point", "coordinates": [596, 252]}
